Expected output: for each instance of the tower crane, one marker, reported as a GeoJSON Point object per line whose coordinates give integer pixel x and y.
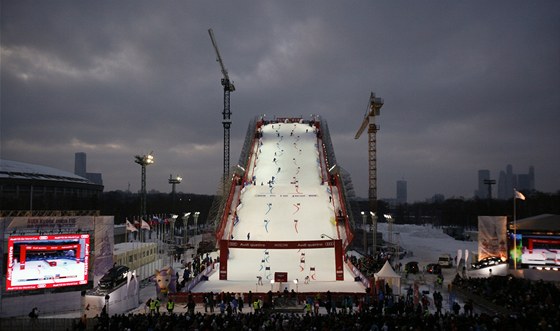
{"type": "Point", "coordinates": [373, 109]}
{"type": "Point", "coordinates": [226, 121]}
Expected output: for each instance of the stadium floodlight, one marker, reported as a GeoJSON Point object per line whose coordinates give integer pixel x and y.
{"type": "Point", "coordinates": [174, 181]}
{"type": "Point", "coordinates": [185, 232]}
{"type": "Point", "coordinates": [195, 216]}
{"type": "Point", "coordinates": [143, 161]}
{"type": "Point", "coordinates": [364, 238]}
{"type": "Point", "coordinates": [374, 230]}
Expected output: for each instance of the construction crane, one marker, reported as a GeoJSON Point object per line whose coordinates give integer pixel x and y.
{"type": "Point", "coordinates": [373, 109]}
{"type": "Point", "coordinates": [226, 121]}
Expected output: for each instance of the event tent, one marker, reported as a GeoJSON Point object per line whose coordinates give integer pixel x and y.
{"type": "Point", "coordinates": [389, 276]}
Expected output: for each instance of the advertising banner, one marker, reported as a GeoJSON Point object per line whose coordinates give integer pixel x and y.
{"type": "Point", "coordinates": [492, 236]}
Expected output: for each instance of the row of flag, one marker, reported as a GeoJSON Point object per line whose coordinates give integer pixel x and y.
{"type": "Point", "coordinates": [157, 220]}
{"type": "Point", "coordinates": [132, 228]}
{"type": "Point", "coordinates": [142, 224]}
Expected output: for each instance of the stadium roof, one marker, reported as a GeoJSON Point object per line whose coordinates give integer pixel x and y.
{"type": "Point", "coordinates": [544, 222]}
{"type": "Point", "coordinates": [19, 170]}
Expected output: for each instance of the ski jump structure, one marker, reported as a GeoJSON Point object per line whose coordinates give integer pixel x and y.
{"type": "Point", "coordinates": [285, 161]}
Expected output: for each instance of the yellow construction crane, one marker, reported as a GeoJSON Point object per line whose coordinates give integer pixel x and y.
{"type": "Point", "coordinates": [373, 109]}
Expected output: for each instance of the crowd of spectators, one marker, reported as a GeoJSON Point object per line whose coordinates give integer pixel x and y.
{"type": "Point", "coordinates": [531, 305]}
{"type": "Point", "coordinates": [368, 264]}
{"type": "Point", "coordinates": [340, 320]}
{"type": "Point", "coordinates": [527, 300]}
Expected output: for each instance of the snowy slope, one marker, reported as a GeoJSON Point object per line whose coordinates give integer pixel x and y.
{"type": "Point", "coordinates": [288, 202]}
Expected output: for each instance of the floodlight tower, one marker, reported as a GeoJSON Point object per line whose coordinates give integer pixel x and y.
{"type": "Point", "coordinates": [374, 230]}
{"type": "Point", "coordinates": [226, 121]}
{"type": "Point", "coordinates": [174, 181]}
{"type": "Point", "coordinates": [186, 229]}
{"type": "Point", "coordinates": [373, 109]}
{"type": "Point", "coordinates": [143, 161]}
{"type": "Point", "coordinates": [364, 238]}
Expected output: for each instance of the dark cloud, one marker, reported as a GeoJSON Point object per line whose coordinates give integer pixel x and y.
{"type": "Point", "coordinates": [467, 86]}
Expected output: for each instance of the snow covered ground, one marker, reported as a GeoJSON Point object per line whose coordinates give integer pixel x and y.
{"type": "Point", "coordinates": [426, 243]}
{"type": "Point", "coordinates": [287, 200]}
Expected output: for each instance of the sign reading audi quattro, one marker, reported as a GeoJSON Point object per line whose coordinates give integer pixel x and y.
{"type": "Point", "coordinates": [281, 244]}
{"type": "Point", "coordinates": [225, 245]}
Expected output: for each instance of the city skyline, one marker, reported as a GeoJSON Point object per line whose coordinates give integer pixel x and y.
{"type": "Point", "coordinates": [115, 80]}
{"type": "Point", "coordinates": [504, 186]}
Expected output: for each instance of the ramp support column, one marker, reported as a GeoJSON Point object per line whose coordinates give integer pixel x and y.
{"type": "Point", "coordinates": [224, 252]}
{"type": "Point", "coordinates": [338, 259]}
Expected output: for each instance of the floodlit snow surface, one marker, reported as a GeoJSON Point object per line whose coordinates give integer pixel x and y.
{"type": "Point", "coordinates": [287, 199]}
{"type": "Point", "coordinates": [426, 243]}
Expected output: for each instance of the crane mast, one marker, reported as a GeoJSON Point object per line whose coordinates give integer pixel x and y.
{"type": "Point", "coordinates": [226, 114]}
{"type": "Point", "coordinates": [373, 110]}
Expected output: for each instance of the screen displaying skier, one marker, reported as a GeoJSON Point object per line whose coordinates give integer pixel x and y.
{"type": "Point", "coordinates": [47, 261]}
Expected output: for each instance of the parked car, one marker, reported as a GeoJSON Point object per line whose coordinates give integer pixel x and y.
{"type": "Point", "coordinates": [393, 251]}
{"type": "Point", "coordinates": [411, 267]}
{"type": "Point", "coordinates": [487, 262]}
{"type": "Point", "coordinates": [433, 268]}
{"type": "Point", "coordinates": [445, 261]}
{"type": "Point", "coordinates": [114, 276]}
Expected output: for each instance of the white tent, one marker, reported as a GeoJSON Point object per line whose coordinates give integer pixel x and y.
{"type": "Point", "coordinates": [390, 277]}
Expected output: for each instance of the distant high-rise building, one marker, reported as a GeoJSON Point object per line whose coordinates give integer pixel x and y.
{"type": "Point", "coordinates": [526, 182]}
{"type": "Point", "coordinates": [531, 178]}
{"type": "Point", "coordinates": [523, 182]}
{"type": "Point", "coordinates": [80, 169]}
{"type": "Point", "coordinates": [508, 181]}
{"type": "Point", "coordinates": [80, 161]}
{"type": "Point", "coordinates": [482, 191]}
{"type": "Point", "coordinates": [401, 192]}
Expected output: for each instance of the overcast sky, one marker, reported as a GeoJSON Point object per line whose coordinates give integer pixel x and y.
{"type": "Point", "coordinates": [467, 85]}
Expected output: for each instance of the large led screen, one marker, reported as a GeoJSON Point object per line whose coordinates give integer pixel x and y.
{"type": "Point", "coordinates": [538, 250]}
{"type": "Point", "coordinates": [47, 261]}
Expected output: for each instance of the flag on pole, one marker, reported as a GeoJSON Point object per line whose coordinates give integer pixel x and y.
{"type": "Point", "coordinates": [518, 195]}
{"type": "Point", "coordinates": [145, 225]}
{"type": "Point", "coordinates": [130, 227]}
